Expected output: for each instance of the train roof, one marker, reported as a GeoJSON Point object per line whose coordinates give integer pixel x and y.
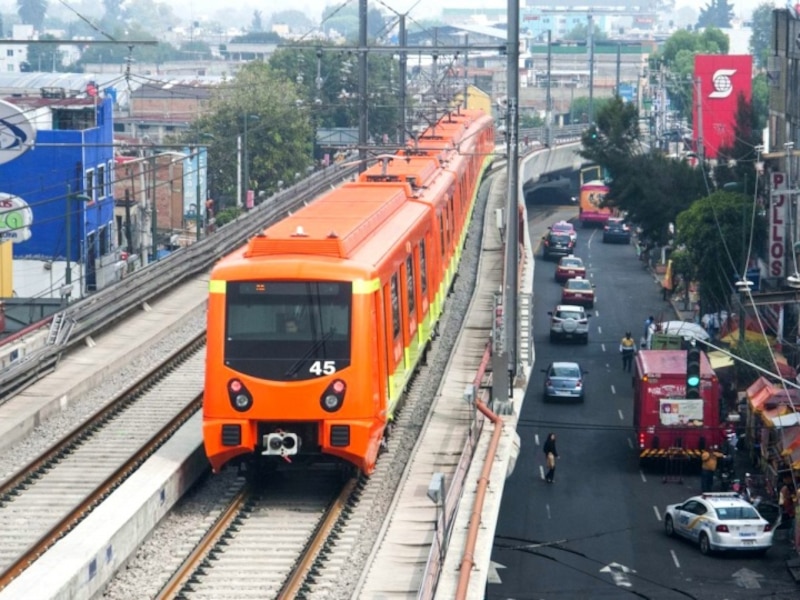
{"type": "Point", "coordinates": [335, 225]}
{"type": "Point", "coordinates": [417, 170]}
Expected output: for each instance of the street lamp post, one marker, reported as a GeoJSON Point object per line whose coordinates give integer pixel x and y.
{"type": "Point", "coordinates": [246, 158]}
{"type": "Point", "coordinates": [68, 235]}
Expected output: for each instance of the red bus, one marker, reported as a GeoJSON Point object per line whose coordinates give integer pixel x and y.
{"type": "Point", "coordinates": [589, 210]}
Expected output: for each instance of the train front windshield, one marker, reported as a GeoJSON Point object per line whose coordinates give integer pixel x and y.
{"type": "Point", "coordinates": [287, 330]}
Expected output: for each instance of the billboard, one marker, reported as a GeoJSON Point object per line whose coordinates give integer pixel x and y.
{"type": "Point", "coordinates": [719, 81]}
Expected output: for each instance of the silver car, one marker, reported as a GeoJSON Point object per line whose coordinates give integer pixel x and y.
{"type": "Point", "coordinates": [719, 521]}
{"type": "Point", "coordinates": [563, 381]}
{"type": "Point", "coordinates": [569, 322]}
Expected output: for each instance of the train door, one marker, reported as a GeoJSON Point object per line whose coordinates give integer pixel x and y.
{"type": "Point", "coordinates": [91, 266]}
{"type": "Point", "coordinates": [413, 343]}
{"type": "Point", "coordinates": [394, 331]}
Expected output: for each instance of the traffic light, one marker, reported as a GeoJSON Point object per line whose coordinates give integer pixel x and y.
{"type": "Point", "coordinates": [693, 372]}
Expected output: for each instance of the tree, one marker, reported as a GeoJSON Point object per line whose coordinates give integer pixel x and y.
{"type": "Point", "coordinates": [614, 137]}
{"type": "Point", "coordinates": [677, 61]}
{"type": "Point", "coordinates": [43, 56]}
{"type": "Point", "coordinates": [295, 19]}
{"type": "Point", "coordinates": [279, 135]}
{"type": "Point", "coordinates": [760, 39]}
{"type": "Point", "coordinates": [760, 99]}
{"type": "Point", "coordinates": [256, 24]}
{"type": "Point", "coordinates": [580, 33]}
{"type": "Point", "coordinates": [327, 80]}
{"type": "Point", "coordinates": [720, 232]}
{"type": "Point", "coordinates": [717, 13]}
{"type": "Point", "coordinates": [32, 12]}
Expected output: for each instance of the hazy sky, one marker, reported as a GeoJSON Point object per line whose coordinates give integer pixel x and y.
{"type": "Point", "coordinates": [428, 8]}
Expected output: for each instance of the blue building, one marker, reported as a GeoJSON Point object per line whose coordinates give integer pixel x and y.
{"type": "Point", "coordinates": [61, 190]}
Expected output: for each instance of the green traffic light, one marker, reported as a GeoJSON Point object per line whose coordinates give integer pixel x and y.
{"type": "Point", "coordinates": [693, 380]}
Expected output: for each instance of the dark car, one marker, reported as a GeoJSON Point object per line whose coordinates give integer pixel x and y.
{"type": "Point", "coordinates": [616, 231]}
{"type": "Point", "coordinates": [557, 244]}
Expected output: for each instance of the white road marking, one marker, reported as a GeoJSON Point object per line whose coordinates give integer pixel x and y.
{"type": "Point", "coordinates": [675, 558]}
{"type": "Point", "coordinates": [658, 514]}
{"type": "Point", "coordinates": [630, 443]}
{"type": "Point", "coordinates": [541, 472]}
{"type": "Point", "coordinates": [643, 476]}
{"type": "Point", "coordinates": [600, 330]}
{"type": "Point", "coordinates": [547, 508]}
{"type": "Point", "coordinates": [613, 389]}
{"type": "Point", "coordinates": [536, 439]}
{"type": "Point", "coordinates": [621, 416]}
{"type": "Point", "coordinates": [603, 347]}
{"type": "Point", "coordinates": [596, 313]}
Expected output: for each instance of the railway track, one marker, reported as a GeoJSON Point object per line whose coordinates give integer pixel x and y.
{"type": "Point", "coordinates": [45, 499]}
{"type": "Point", "coordinates": [265, 541]}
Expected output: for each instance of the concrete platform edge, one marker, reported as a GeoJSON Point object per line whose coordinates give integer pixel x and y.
{"type": "Point", "coordinates": [80, 565]}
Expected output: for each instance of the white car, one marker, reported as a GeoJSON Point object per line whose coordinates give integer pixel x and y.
{"type": "Point", "coordinates": [569, 321]}
{"type": "Point", "coordinates": [719, 521]}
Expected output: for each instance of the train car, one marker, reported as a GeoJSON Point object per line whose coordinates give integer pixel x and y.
{"type": "Point", "coordinates": [317, 324]}
{"type": "Point", "coordinates": [592, 194]}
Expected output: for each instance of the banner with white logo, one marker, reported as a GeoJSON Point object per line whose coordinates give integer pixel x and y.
{"type": "Point", "coordinates": [720, 80]}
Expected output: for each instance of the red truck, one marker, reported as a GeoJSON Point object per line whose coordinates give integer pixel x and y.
{"type": "Point", "coordinates": [666, 422]}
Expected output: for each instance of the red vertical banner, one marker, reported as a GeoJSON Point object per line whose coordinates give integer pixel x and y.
{"type": "Point", "coordinates": [719, 81]}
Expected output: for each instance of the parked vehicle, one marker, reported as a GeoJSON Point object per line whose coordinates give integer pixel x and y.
{"type": "Point", "coordinates": [665, 420]}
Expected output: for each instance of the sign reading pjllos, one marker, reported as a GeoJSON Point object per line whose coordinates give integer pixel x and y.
{"type": "Point", "coordinates": [16, 132]}
{"type": "Point", "coordinates": [720, 79]}
{"type": "Point", "coordinates": [778, 211]}
{"type": "Point", "coordinates": [16, 218]}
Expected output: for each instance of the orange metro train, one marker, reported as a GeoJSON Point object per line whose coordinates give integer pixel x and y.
{"type": "Point", "coordinates": [317, 324]}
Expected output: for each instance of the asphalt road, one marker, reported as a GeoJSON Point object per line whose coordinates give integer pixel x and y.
{"type": "Point", "coordinates": [597, 532]}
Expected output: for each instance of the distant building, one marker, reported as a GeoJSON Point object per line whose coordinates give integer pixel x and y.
{"type": "Point", "coordinates": [57, 195]}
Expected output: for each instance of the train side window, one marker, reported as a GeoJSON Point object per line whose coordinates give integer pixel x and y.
{"type": "Point", "coordinates": [423, 269]}
{"type": "Point", "coordinates": [441, 233]}
{"type": "Point", "coordinates": [412, 304]}
{"type": "Point", "coordinates": [395, 299]}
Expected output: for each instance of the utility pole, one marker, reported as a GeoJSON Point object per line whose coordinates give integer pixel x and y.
{"type": "Point", "coordinates": [590, 43]}
{"type": "Point", "coordinates": [466, 64]}
{"type": "Point", "coordinates": [403, 39]}
{"type": "Point", "coordinates": [548, 115]}
{"type": "Point", "coordinates": [619, 66]}
{"type": "Point", "coordinates": [698, 94]}
{"type": "Point", "coordinates": [362, 86]}
{"type": "Point", "coordinates": [153, 207]}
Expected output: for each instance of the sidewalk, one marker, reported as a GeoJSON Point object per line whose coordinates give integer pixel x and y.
{"type": "Point", "coordinates": [782, 545]}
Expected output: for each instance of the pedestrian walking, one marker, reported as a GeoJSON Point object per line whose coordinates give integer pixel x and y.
{"type": "Point", "coordinates": [627, 347]}
{"type": "Point", "coordinates": [550, 455]}
{"type": "Point", "coordinates": [708, 467]}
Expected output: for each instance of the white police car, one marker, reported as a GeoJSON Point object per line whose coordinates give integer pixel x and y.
{"type": "Point", "coordinates": [719, 521]}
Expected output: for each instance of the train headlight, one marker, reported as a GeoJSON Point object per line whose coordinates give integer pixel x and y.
{"type": "Point", "coordinates": [330, 402]}
{"type": "Point", "coordinates": [333, 397]}
{"type": "Point", "coordinates": [241, 399]}
{"type": "Point", "coordinates": [242, 402]}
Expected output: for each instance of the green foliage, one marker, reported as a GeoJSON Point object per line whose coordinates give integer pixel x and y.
{"type": "Point", "coordinates": [654, 189]}
{"type": "Point", "coordinates": [279, 131]}
{"type": "Point", "coordinates": [677, 57]}
{"type": "Point", "coordinates": [760, 39]}
{"type": "Point", "coordinates": [327, 80]}
{"type": "Point", "coordinates": [580, 33]}
{"type": "Point", "coordinates": [226, 215]}
{"type": "Point", "coordinates": [295, 19]}
{"type": "Point", "coordinates": [614, 137]}
{"type": "Point", "coordinates": [720, 232]}
{"type": "Point", "coordinates": [257, 24]}
{"type": "Point", "coordinates": [717, 13]}
{"type": "Point", "coordinates": [579, 108]}
{"type": "Point", "coordinates": [683, 264]}
{"type": "Point", "coordinates": [529, 120]}
{"type": "Point", "coordinates": [760, 100]}
{"type": "Point", "coordinates": [44, 57]}
{"type": "Point", "coordinates": [258, 37]}
{"type": "Point", "coordinates": [343, 19]}
{"type": "Point", "coordinates": [756, 352]}
{"type": "Point", "coordinates": [32, 12]}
